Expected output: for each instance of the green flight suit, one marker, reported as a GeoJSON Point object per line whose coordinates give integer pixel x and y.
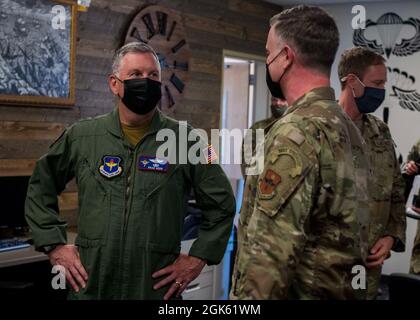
{"type": "Point", "coordinates": [130, 225]}
{"type": "Point", "coordinates": [387, 192]}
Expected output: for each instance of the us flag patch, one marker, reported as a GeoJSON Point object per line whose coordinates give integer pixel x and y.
{"type": "Point", "coordinates": [210, 154]}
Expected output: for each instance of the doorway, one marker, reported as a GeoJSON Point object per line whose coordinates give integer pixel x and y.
{"type": "Point", "coordinates": [245, 100]}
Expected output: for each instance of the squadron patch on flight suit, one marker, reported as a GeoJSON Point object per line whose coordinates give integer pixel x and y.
{"type": "Point", "coordinates": [111, 166]}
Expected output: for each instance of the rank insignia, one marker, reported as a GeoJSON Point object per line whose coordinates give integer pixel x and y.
{"type": "Point", "coordinates": [269, 182]}
{"type": "Point", "coordinates": [146, 163]}
{"type": "Point", "coordinates": [111, 166]}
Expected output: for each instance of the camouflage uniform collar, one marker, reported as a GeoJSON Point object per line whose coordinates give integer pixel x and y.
{"type": "Point", "coordinates": [114, 124]}
{"type": "Point", "coordinates": [321, 93]}
{"type": "Point", "coordinates": [371, 125]}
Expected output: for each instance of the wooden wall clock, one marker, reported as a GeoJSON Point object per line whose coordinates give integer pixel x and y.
{"type": "Point", "coordinates": [162, 29]}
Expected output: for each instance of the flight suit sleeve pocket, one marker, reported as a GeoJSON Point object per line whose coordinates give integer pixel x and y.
{"type": "Point", "coordinates": [285, 170]}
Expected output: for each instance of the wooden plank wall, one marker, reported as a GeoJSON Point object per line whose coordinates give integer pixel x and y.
{"type": "Point", "coordinates": [211, 26]}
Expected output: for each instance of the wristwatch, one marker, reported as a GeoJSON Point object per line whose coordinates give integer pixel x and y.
{"type": "Point", "coordinates": [48, 249]}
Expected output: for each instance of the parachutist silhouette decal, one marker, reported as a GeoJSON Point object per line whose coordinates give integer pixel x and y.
{"type": "Point", "coordinates": [402, 87]}
{"type": "Point", "coordinates": [389, 27]}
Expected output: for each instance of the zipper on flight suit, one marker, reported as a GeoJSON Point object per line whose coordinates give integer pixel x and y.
{"type": "Point", "coordinates": [127, 192]}
{"type": "Point", "coordinates": [129, 180]}
{"type": "Point", "coordinates": [128, 187]}
{"type": "Point", "coordinates": [128, 199]}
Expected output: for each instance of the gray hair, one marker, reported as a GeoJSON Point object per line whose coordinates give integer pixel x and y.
{"type": "Point", "coordinates": [132, 47]}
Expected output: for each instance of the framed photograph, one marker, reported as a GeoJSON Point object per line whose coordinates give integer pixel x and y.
{"type": "Point", "coordinates": [37, 52]}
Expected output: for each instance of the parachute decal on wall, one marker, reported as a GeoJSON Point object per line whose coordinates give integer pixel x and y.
{"type": "Point", "coordinates": [402, 87]}
{"type": "Point", "coordinates": [389, 27]}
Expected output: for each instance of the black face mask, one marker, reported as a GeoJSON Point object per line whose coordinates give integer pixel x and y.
{"type": "Point", "coordinates": [274, 87]}
{"type": "Point", "coordinates": [141, 95]}
{"type": "Point", "coordinates": [278, 111]}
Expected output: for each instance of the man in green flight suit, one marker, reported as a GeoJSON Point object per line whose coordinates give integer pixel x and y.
{"type": "Point", "coordinates": [131, 201]}
{"type": "Point", "coordinates": [304, 232]}
{"type": "Point", "coordinates": [362, 73]}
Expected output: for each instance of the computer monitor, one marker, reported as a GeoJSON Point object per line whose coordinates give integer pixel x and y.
{"type": "Point", "coordinates": [12, 201]}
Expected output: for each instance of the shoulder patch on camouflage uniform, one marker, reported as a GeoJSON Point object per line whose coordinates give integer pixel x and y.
{"type": "Point", "coordinates": [286, 167]}
{"type": "Point", "coordinates": [296, 137]}
{"type": "Point", "coordinates": [269, 182]}
{"type": "Point", "coordinates": [295, 169]}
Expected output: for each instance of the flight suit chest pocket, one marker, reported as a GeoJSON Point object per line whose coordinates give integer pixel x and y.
{"type": "Point", "coordinates": [94, 203]}
{"type": "Point", "coordinates": [155, 175]}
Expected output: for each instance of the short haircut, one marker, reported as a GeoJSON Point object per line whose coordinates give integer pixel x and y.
{"type": "Point", "coordinates": [132, 47]}
{"type": "Point", "coordinates": [311, 32]}
{"type": "Point", "coordinates": [355, 61]}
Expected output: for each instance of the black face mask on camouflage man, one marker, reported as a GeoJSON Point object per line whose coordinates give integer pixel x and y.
{"type": "Point", "coordinates": [274, 87]}
{"type": "Point", "coordinates": [141, 95]}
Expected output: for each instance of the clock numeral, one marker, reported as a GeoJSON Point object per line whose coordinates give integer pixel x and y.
{"type": "Point", "coordinates": [136, 34]}
{"type": "Point", "coordinates": [181, 65]}
{"type": "Point", "coordinates": [178, 46]}
{"type": "Point", "coordinates": [177, 82]}
{"type": "Point", "coordinates": [171, 31]}
{"type": "Point", "coordinates": [147, 19]}
{"type": "Point", "coordinates": [162, 61]}
{"type": "Point", "coordinates": [162, 19]}
{"type": "Point", "coordinates": [169, 96]}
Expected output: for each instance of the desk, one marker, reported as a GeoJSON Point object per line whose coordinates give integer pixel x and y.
{"type": "Point", "coordinates": [27, 255]}
{"type": "Point", "coordinates": [29, 267]}
{"type": "Point", "coordinates": [26, 273]}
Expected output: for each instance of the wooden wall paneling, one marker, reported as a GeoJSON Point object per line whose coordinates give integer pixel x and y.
{"type": "Point", "coordinates": [93, 65]}
{"type": "Point", "coordinates": [43, 114]}
{"type": "Point", "coordinates": [254, 8]}
{"type": "Point", "coordinates": [26, 130]}
{"type": "Point", "coordinates": [32, 149]}
{"type": "Point", "coordinates": [92, 82]}
{"type": "Point", "coordinates": [68, 201]}
{"type": "Point", "coordinates": [16, 167]}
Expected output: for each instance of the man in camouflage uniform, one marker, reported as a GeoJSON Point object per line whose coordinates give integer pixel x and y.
{"type": "Point", "coordinates": [412, 168]}
{"type": "Point", "coordinates": [363, 76]}
{"type": "Point", "coordinates": [303, 228]}
{"type": "Point", "coordinates": [278, 107]}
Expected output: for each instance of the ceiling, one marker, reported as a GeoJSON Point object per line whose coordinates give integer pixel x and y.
{"type": "Point", "coordinates": [293, 2]}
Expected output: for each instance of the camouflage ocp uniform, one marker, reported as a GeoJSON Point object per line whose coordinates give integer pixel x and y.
{"type": "Point", "coordinates": [306, 228]}
{"type": "Point", "coordinates": [387, 191]}
{"type": "Point", "coordinates": [414, 155]}
{"type": "Point", "coordinates": [249, 149]}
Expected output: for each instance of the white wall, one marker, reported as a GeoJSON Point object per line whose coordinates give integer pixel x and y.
{"type": "Point", "coordinates": [404, 124]}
